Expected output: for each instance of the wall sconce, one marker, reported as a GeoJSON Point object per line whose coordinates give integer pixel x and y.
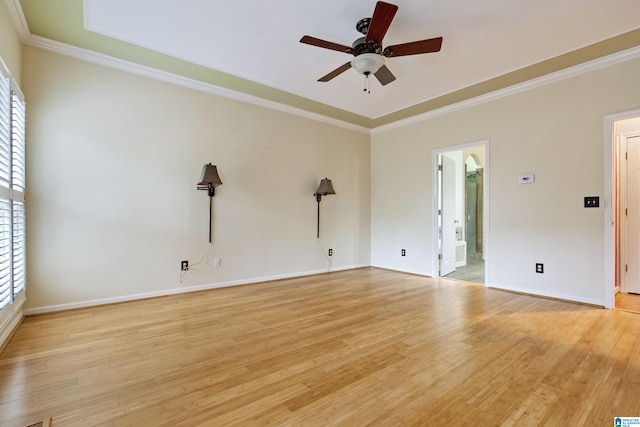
{"type": "Point", "coordinates": [209, 180]}
{"type": "Point", "coordinates": [324, 189]}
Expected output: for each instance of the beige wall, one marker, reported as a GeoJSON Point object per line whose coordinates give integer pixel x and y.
{"type": "Point", "coordinates": [113, 208]}
{"type": "Point", "coordinates": [10, 45]}
{"type": "Point", "coordinates": [555, 131]}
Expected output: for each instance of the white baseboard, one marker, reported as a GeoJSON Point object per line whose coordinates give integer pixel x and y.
{"type": "Point", "coordinates": [519, 289]}
{"type": "Point", "coordinates": [7, 328]}
{"type": "Point", "coordinates": [555, 295]}
{"type": "Point", "coordinates": [403, 270]}
{"type": "Point", "coordinates": [132, 297]}
{"type": "Point", "coordinates": [165, 292]}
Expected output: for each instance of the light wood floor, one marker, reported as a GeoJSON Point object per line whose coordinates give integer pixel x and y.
{"type": "Point", "coordinates": [350, 348]}
{"type": "Point", "coordinates": [629, 302]}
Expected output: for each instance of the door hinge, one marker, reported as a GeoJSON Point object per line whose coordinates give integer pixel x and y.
{"type": "Point", "coordinates": [626, 267]}
{"type": "Point", "coordinates": [439, 257]}
{"type": "Point", "coordinates": [439, 167]}
{"type": "Point", "coordinates": [626, 211]}
{"type": "Point", "coordinates": [439, 211]}
{"type": "Point", "coordinates": [626, 155]}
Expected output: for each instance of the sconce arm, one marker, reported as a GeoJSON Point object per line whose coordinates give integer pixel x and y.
{"type": "Point", "coordinates": [211, 190]}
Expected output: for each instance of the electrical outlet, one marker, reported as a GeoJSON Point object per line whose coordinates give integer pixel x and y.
{"type": "Point", "coordinates": [217, 262]}
{"type": "Point", "coordinates": [184, 265]}
{"type": "Point", "coordinates": [403, 252]}
{"type": "Point", "coordinates": [330, 252]}
{"type": "Point", "coordinates": [539, 268]}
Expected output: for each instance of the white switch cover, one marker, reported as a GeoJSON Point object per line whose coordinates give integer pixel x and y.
{"type": "Point", "coordinates": [526, 178]}
{"type": "Point", "coordinates": [216, 262]}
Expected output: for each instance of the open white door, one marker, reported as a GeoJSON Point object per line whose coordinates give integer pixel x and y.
{"type": "Point", "coordinates": [632, 278]}
{"type": "Point", "coordinates": [448, 215]}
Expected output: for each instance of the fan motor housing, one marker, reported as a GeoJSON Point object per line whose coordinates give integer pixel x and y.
{"type": "Point", "coordinates": [361, 46]}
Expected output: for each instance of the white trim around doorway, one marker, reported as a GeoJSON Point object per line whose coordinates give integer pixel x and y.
{"type": "Point", "coordinates": [608, 288]}
{"type": "Point", "coordinates": [623, 190]}
{"type": "Point", "coordinates": [485, 202]}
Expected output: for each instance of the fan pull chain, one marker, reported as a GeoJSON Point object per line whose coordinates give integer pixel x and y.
{"type": "Point", "coordinates": [367, 84]}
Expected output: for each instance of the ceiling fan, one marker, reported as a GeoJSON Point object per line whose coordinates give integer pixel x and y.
{"type": "Point", "coordinates": [368, 52]}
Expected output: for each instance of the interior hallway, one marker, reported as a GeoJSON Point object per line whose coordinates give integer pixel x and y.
{"type": "Point", "coordinates": [471, 272]}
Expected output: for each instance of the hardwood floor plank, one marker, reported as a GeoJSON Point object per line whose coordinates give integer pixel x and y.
{"type": "Point", "coordinates": [357, 347]}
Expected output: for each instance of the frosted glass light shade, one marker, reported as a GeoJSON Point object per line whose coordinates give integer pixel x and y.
{"type": "Point", "coordinates": [367, 63]}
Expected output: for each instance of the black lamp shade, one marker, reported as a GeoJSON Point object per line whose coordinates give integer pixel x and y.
{"type": "Point", "coordinates": [324, 188]}
{"type": "Point", "coordinates": [209, 176]}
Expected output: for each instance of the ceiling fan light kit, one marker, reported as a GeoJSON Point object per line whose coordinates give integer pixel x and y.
{"type": "Point", "coordinates": [368, 52]}
{"type": "Point", "coordinates": [367, 63]}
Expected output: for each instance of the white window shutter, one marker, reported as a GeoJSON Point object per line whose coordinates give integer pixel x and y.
{"type": "Point", "coordinates": [19, 248]}
{"type": "Point", "coordinates": [12, 187]}
{"type": "Point", "coordinates": [6, 288]}
{"type": "Point", "coordinates": [18, 115]}
{"type": "Point", "coordinates": [5, 130]}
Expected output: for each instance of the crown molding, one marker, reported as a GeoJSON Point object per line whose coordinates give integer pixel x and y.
{"type": "Point", "coordinates": [576, 70]}
{"type": "Point", "coordinates": [15, 10]}
{"type": "Point", "coordinates": [122, 65]}
{"type": "Point", "coordinates": [19, 21]}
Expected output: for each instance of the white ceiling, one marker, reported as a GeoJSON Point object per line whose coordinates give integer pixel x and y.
{"type": "Point", "coordinates": [259, 40]}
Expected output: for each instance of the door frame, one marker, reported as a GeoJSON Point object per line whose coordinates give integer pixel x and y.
{"type": "Point", "coordinates": [435, 267]}
{"type": "Point", "coordinates": [610, 202]}
{"type": "Point", "coordinates": [623, 226]}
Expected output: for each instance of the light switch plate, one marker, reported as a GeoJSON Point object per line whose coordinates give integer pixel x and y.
{"type": "Point", "coordinates": [592, 202]}
{"type": "Point", "coordinates": [526, 178]}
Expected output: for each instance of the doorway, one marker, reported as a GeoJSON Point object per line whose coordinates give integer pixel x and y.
{"type": "Point", "coordinates": [460, 208]}
{"type": "Point", "coordinates": [626, 146]}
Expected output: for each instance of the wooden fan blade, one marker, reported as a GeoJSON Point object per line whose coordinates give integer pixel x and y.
{"type": "Point", "coordinates": [413, 48]}
{"type": "Point", "coordinates": [380, 21]}
{"type": "Point", "coordinates": [384, 76]}
{"type": "Point", "coordinates": [341, 69]}
{"type": "Point", "coordinates": [325, 44]}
